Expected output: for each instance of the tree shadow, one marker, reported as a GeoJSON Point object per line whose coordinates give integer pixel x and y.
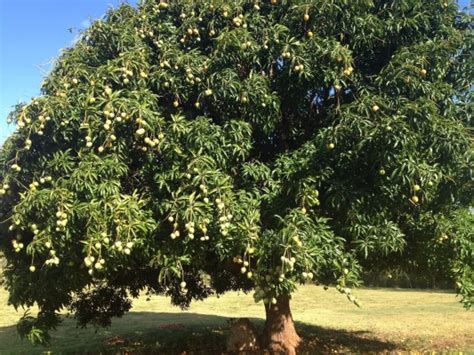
{"type": "Point", "coordinates": [183, 333]}
{"type": "Point", "coordinates": [320, 340]}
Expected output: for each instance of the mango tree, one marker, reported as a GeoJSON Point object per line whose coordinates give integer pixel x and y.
{"type": "Point", "coordinates": [195, 147]}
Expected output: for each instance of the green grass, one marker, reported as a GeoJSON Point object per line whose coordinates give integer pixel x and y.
{"type": "Point", "coordinates": [389, 320]}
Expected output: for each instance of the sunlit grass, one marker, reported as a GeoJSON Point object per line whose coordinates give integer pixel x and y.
{"type": "Point", "coordinates": [388, 320]}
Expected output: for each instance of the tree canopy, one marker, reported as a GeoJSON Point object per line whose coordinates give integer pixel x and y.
{"type": "Point", "coordinates": [194, 147]}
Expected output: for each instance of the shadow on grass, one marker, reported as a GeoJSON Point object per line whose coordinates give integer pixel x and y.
{"type": "Point", "coordinates": [319, 340]}
{"type": "Point", "coordinates": [181, 333]}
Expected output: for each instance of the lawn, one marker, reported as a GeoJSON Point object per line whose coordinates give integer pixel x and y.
{"type": "Point", "coordinates": [388, 320]}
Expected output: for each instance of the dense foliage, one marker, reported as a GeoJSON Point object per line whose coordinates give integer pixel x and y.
{"type": "Point", "coordinates": [196, 147]}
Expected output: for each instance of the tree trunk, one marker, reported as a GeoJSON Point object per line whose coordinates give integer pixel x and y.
{"type": "Point", "coordinates": [279, 335]}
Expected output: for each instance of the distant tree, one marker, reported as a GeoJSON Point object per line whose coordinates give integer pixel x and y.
{"type": "Point", "coordinates": [195, 147]}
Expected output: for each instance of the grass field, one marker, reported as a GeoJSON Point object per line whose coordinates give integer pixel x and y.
{"type": "Point", "coordinates": [389, 320]}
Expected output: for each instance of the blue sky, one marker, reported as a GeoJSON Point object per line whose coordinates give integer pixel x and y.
{"type": "Point", "coordinates": [31, 34]}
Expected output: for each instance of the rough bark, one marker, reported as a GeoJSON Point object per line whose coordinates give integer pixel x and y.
{"type": "Point", "coordinates": [279, 335]}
